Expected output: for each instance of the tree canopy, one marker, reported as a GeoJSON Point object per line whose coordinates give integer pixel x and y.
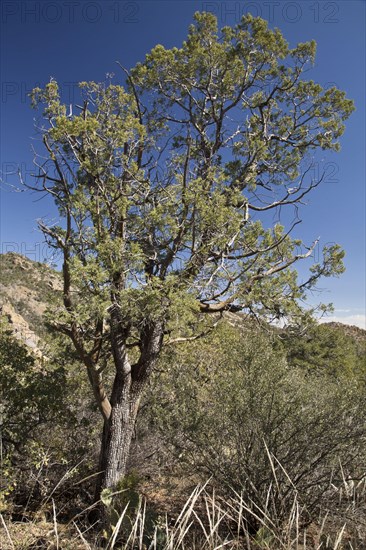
{"type": "Point", "coordinates": [162, 184]}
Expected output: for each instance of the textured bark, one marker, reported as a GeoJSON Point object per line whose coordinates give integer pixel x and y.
{"type": "Point", "coordinates": [127, 389]}
{"type": "Point", "coordinates": [116, 441]}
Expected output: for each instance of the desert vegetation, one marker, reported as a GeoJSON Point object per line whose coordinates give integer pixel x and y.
{"type": "Point", "coordinates": [249, 437]}
{"type": "Point", "coordinates": [179, 393]}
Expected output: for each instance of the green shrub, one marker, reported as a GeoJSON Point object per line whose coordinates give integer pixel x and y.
{"type": "Point", "coordinates": [43, 436]}
{"type": "Point", "coordinates": [328, 349]}
{"type": "Point", "coordinates": [235, 411]}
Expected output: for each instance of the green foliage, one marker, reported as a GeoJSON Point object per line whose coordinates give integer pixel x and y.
{"type": "Point", "coordinates": [160, 190]}
{"type": "Point", "coordinates": [46, 418]}
{"type": "Point", "coordinates": [163, 187]}
{"type": "Point", "coordinates": [205, 400]}
{"type": "Point", "coordinates": [327, 350]}
{"type": "Point", "coordinates": [234, 410]}
{"type": "Point", "coordinates": [31, 392]}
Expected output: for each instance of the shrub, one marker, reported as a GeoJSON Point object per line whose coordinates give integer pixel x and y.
{"type": "Point", "coordinates": [42, 437]}
{"type": "Point", "coordinates": [234, 410]}
{"type": "Point", "coordinates": [328, 349]}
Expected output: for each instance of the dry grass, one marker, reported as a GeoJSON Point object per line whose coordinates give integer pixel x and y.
{"type": "Point", "coordinates": [205, 522]}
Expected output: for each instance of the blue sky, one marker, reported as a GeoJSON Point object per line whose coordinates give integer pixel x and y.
{"type": "Point", "coordinates": [81, 40]}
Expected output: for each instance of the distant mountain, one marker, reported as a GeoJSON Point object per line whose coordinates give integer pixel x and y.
{"type": "Point", "coordinates": [356, 333]}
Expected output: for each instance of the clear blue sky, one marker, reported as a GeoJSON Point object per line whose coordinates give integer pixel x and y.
{"type": "Point", "coordinates": [80, 40]}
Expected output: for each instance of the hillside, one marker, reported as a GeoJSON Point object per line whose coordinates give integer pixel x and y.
{"type": "Point", "coordinates": [25, 289]}
{"type": "Point", "coordinates": [357, 333]}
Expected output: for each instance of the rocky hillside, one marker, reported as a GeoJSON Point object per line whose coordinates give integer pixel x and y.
{"type": "Point", "coordinates": [25, 289]}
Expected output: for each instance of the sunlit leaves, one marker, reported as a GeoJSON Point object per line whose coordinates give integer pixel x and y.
{"type": "Point", "coordinates": [163, 180]}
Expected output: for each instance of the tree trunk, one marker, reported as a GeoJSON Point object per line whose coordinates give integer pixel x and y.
{"type": "Point", "coordinates": [127, 389]}
{"type": "Point", "coordinates": [116, 440]}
